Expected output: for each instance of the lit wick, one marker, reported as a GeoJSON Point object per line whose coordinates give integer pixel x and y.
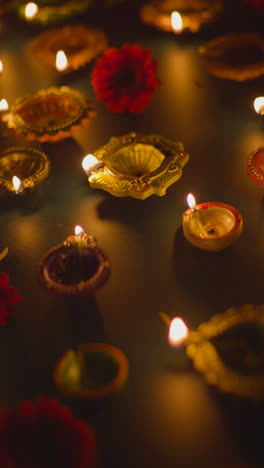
{"type": "Point", "coordinates": [31, 10]}
{"type": "Point", "coordinates": [79, 231]}
{"type": "Point", "coordinates": [61, 61]}
{"type": "Point", "coordinates": [3, 105]}
{"type": "Point", "coordinates": [178, 333]}
{"type": "Point", "coordinates": [259, 105]}
{"type": "Point", "coordinates": [17, 184]}
{"type": "Point", "coordinates": [176, 22]}
{"type": "Point", "coordinates": [88, 162]}
{"type": "Point", "coordinates": [191, 201]}
{"type": "Point", "coordinates": [1, 66]}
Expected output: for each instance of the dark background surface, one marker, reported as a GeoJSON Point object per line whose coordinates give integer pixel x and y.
{"type": "Point", "coordinates": [163, 417]}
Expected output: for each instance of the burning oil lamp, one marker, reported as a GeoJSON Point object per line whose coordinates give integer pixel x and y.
{"type": "Point", "coordinates": [61, 61]}
{"type": "Point", "coordinates": [211, 226]}
{"type": "Point", "coordinates": [90, 163]}
{"type": "Point", "coordinates": [77, 267]}
{"type": "Point", "coordinates": [259, 105]}
{"type": "Point", "coordinates": [93, 372]}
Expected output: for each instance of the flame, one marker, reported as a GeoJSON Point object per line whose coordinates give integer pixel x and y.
{"type": "Point", "coordinates": [88, 161]}
{"type": "Point", "coordinates": [191, 201]}
{"type": "Point", "coordinates": [178, 332]}
{"type": "Point", "coordinates": [61, 61]}
{"type": "Point", "coordinates": [176, 22]}
{"type": "Point", "coordinates": [3, 105]}
{"type": "Point", "coordinates": [79, 231]}
{"type": "Point", "coordinates": [1, 66]}
{"type": "Point", "coordinates": [17, 184]}
{"type": "Point", "coordinates": [31, 10]}
{"type": "Point", "coordinates": [259, 105]}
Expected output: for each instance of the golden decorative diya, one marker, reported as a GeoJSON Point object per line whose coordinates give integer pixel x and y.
{"type": "Point", "coordinates": [178, 15]}
{"type": "Point", "coordinates": [229, 351]}
{"type": "Point", "coordinates": [137, 165]}
{"type": "Point", "coordinates": [212, 226]}
{"type": "Point", "coordinates": [93, 372]}
{"type": "Point", "coordinates": [50, 114]}
{"type": "Point", "coordinates": [79, 43]}
{"type": "Point", "coordinates": [29, 165]}
{"type": "Point", "coordinates": [77, 267]}
{"type": "Point", "coordinates": [238, 57]}
{"type": "Point", "coordinates": [49, 11]}
{"type": "Point", "coordinates": [255, 167]}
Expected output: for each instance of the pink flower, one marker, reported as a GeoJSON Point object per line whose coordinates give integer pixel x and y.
{"type": "Point", "coordinates": [8, 296]}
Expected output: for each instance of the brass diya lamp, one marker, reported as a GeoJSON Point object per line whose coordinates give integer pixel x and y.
{"type": "Point", "coordinates": [77, 267]}
{"type": "Point", "coordinates": [136, 165]}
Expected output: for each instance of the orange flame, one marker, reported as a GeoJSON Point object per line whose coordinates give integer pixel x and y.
{"type": "Point", "coordinates": [61, 61]}
{"type": "Point", "coordinates": [178, 332]}
{"type": "Point", "coordinates": [176, 22]}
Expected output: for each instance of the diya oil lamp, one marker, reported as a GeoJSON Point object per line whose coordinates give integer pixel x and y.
{"type": "Point", "coordinates": [136, 165]}
{"type": "Point", "coordinates": [48, 12]}
{"type": "Point", "coordinates": [22, 169]}
{"type": "Point", "coordinates": [77, 267]}
{"type": "Point", "coordinates": [49, 115]}
{"type": "Point", "coordinates": [211, 226]}
{"type": "Point", "coordinates": [177, 15]}
{"type": "Point", "coordinates": [93, 372]}
{"type": "Point", "coordinates": [68, 48]}
{"type": "Point", "coordinates": [255, 166]}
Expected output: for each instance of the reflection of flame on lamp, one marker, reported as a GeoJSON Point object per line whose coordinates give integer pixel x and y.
{"type": "Point", "coordinates": [3, 105]}
{"type": "Point", "coordinates": [176, 22]}
{"type": "Point", "coordinates": [61, 61]}
{"type": "Point", "coordinates": [17, 184]}
{"type": "Point", "coordinates": [1, 66]}
{"type": "Point", "coordinates": [178, 332]}
{"type": "Point", "coordinates": [259, 105]}
{"type": "Point", "coordinates": [191, 201]}
{"type": "Point", "coordinates": [89, 161]}
{"type": "Point", "coordinates": [31, 10]}
{"type": "Point", "coordinates": [79, 231]}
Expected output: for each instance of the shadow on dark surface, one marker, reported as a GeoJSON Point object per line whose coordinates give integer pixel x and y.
{"type": "Point", "coordinates": [218, 279]}
{"type": "Point", "coordinates": [85, 321]}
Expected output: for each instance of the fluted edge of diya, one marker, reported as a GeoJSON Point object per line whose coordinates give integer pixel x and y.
{"type": "Point", "coordinates": [236, 56]}
{"type": "Point", "coordinates": [138, 165]}
{"type": "Point", "coordinates": [29, 164]}
{"type": "Point", "coordinates": [194, 14]}
{"type": "Point", "coordinates": [80, 44]}
{"type": "Point", "coordinates": [228, 351]}
{"type": "Point", "coordinates": [212, 226]}
{"type": "Point", "coordinates": [49, 115]}
{"type": "Point", "coordinates": [75, 267]}
{"type": "Point", "coordinates": [255, 166]}
{"type": "Point", "coordinates": [93, 372]}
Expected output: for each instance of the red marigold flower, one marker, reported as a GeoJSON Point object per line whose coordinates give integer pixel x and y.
{"type": "Point", "coordinates": [45, 434]}
{"type": "Point", "coordinates": [258, 4]}
{"type": "Point", "coordinates": [125, 79]}
{"type": "Point", "coordinates": [8, 296]}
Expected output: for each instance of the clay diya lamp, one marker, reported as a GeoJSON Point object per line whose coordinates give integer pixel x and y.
{"type": "Point", "coordinates": [93, 372]}
{"type": "Point", "coordinates": [255, 167]}
{"type": "Point", "coordinates": [136, 165]}
{"type": "Point", "coordinates": [237, 57]}
{"type": "Point", "coordinates": [211, 226]}
{"type": "Point", "coordinates": [229, 351]}
{"type": "Point", "coordinates": [49, 115]}
{"type": "Point", "coordinates": [48, 12]}
{"type": "Point", "coordinates": [77, 267]}
{"type": "Point", "coordinates": [181, 15]}
{"type": "Point", "coordinates": [79, 44]}
{"type": "Point", "coordinates": [22, 169]}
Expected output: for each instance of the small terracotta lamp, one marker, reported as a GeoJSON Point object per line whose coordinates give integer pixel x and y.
{"type": "Point", "coordinates": [77, 267]}
{"type": "Point", "coordinates": [211, 226]}
{"type": "Point", "coordinates": [93, 372]}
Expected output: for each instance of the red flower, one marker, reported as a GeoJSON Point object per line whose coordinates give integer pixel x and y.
{"type": "Point", "coordinates": [125, 79]}
{"type": "Point", "coordinates": [258, 4]}
{"type": "Point", "coordinates": [8, 296]}
{"type": "Point", "coordinates": [45, 434]}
